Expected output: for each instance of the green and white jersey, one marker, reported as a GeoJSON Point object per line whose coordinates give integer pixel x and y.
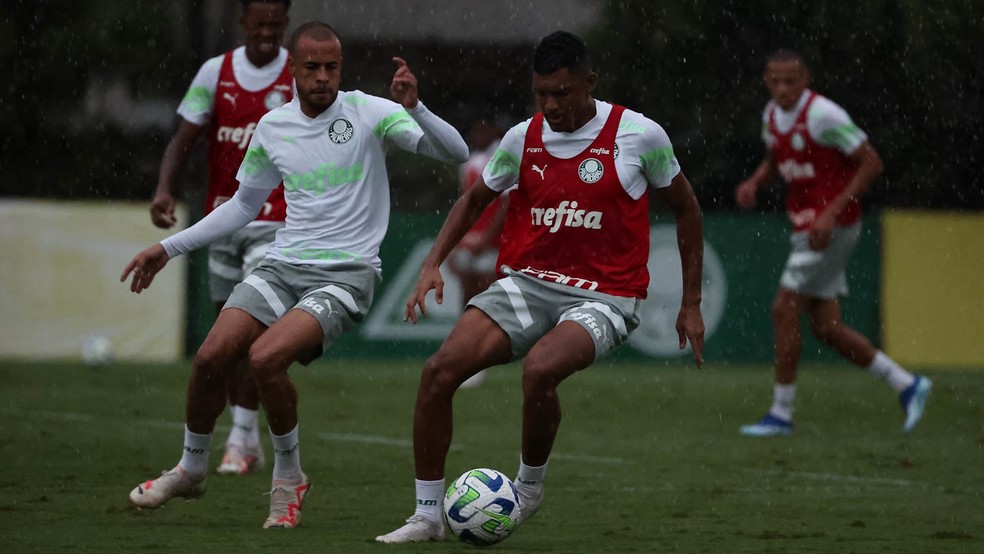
{"type": "Point", "coordinates": [334, 174]}
{"type": "Point", "coordinates": [199, 101]}
{"type": "Point", "coordinates": [828, 124]}
{"type": "Point", "coordinates": [643, 152]}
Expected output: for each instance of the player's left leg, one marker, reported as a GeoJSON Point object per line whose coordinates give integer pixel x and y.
{"type": "Point", "coordinates": [912, 390]}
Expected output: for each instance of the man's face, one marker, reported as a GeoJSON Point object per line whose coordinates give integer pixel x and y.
{"type": "Point", "coordinates": [264, 24]}
{"type": "Point", "coordinates": [786, 81]}
{"type": "Point", "coordinates": [317, 69]}
{"type": "Point", "coordinates": [565, 98]}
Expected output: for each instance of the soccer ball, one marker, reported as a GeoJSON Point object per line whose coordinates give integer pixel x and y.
{"type": "Point", "coordinates": [482, 507]}
{"type": "Point", "coordinates": [97, 350]}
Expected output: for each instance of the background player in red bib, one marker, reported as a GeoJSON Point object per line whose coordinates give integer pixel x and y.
{"type": "Point", "coordinates": [826, 163]}
{"type": "Point", "coordinates": [573, 266]}
{"type": "Point", "coordinates": [227, 98]}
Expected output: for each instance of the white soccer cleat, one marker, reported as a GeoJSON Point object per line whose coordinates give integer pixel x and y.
{"type": "Point", "coordinates": [417, 529]}
{"type": "Point", "coordinates": [286, 501]}
{"type": "Point", "coordinates": [529, 502]}
{"type": "Point", "coordinates": [474, 381]}
{"type": "Point", "coordinates": [239, 460]}
{"type": "Point", "coordinates": [176, 483]}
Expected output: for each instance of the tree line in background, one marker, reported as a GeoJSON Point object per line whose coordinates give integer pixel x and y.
{"type": "Point", "coordinates": [908, 71]}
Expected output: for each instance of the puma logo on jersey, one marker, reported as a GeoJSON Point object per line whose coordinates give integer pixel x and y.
{"type": "Point", "coordinates": [793, 171]}
{"type": "Point", "coordinates": [231, 98]}
{"type": "Point", "coordinates": [565, 215]}
{"type": "Point", "coordinates": [540, 171]}
{"type": "Point", "coordinates": [238, 135]}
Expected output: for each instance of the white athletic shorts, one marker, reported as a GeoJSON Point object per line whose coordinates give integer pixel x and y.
{"type": "Point", "coordinates": [232, 258]}
{"type": "Point", "coordinates": [527, 308]}
{"type": "Point", "coordinates": [337, 295]}
{"type": "Point", "coordinates": [820, 274]}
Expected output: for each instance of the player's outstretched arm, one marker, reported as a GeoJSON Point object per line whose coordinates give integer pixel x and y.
{"type": "Point", "coordinates": [172, 164]}
{"type": "Point", "coordinates": [144, 267]}
{"type": "Point", "coordinates": [747, 189]}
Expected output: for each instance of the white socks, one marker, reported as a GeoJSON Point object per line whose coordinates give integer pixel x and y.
{"type": "Point", "coordinates": [783, 397]}
{"type": "Point", "coordinates": [286, 457]}
{"type": "Point", "coordinates": [897, 378]}
{"type": "Point", "coordinates": [244, 427]}
{"type": "Point", "coordinates": [529, 479]}
{"type": "Point", "coordinates": [429, 498]}
{"type": "Point", "coordinates": [194, 457]}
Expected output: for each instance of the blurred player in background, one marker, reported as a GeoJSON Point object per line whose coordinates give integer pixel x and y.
{"type": "Point", "coordinates": [225, 101]}
{"type": "Point", "coordinates": [473, 260]}
{"type": "Point", "coordinates": [826, 162]}
{"type": "Point", "coordinates": [573, 260]}
{"type": "Point", "coordinates": [318, 277]}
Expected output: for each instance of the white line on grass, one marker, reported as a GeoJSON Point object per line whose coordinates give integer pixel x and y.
{"type": "Point", "coordinates": [836, 477]}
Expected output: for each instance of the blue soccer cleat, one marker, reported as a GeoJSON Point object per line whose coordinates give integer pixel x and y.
{"type": "Point", "coordinates": [768, 426]}
{"type": "Point", "coordinates": [913, 400]}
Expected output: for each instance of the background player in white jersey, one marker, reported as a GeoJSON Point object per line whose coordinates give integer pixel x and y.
{"type": "Point", "coordinates": [574, 264]}
{"type": "Point", "coordinates": [224, 102]}
{"type": "Point", "coordinates": [318, 278]}
{"type": "Point", "coordinates": [826, 162]}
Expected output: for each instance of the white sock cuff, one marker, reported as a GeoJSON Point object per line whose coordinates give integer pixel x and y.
{"type": "Point", "coordinates": [531, 474]}
{"type": "Point", "coordinates": [429, 495]}
{"type": "Point", "coordinates": [283, 444]}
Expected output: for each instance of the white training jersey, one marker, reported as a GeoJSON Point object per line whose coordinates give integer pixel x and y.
{"type": "Point", "coordinates": [643, 152]}
{"type": "Point", "coordinates": [828, 124]}
{"type": "Point", "coordinates": [197, 104]}
{"type": "Point", "coordinates": [334, 174]}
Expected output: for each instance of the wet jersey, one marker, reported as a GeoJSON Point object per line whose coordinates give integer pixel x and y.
{"type": "Point", "coordinates": [812, 157]}
{"type": "Point", "coordinates": [228, 97]}
{"type": "Point", "coordinates": [572, 221]}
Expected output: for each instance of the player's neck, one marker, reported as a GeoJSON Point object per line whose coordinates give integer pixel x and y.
{"type": "Point", "coordinates": [260, 60]}
{"type": "Point", "coordinates": [588, 112]}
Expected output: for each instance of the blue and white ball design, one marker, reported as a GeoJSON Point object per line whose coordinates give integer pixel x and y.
{"type": "Point", "coordinates": [481, 507]}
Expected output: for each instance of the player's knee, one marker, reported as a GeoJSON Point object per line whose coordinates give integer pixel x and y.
{"type": "Point", "coordinates": [438, 375]}
{"type": "Point", "coordinates": [266, 364]}
{"type": "Point", "coordinates": [825, 331]}
{"type": "Point", "coordinates": [213, 362]}
{"type": "Point", "coordinates": [539, 376]}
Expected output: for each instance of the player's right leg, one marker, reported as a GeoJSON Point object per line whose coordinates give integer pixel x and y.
{"type": "Point", "coordinates": [778, 420]}
{"type": "Point", "coordinates": [227, 343]}
{"type": "Point", "coordinates": [476, 342]}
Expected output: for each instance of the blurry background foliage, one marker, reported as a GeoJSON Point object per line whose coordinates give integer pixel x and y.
{"type": "Point", "coordinates": [89, 104]}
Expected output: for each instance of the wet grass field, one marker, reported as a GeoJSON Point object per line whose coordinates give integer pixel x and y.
{"type": "Point", "coordinates": [648, 459]}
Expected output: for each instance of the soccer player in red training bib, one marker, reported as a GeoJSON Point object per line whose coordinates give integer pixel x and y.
{"type": "Point", "coordinates": [573, 266]}
{"type": "Point", "coordinates": [826, 163]}
{"type": "Point", "coordinates": [227, 98]}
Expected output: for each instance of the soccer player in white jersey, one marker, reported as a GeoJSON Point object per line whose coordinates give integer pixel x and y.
{"type": "Point", "coordinates": [318, 278]}
{"type": "Point", "coordinates": [826, 162]}
{"type": "Point", "coordinates": [573, 266]}
{"type": "Point", "coordinates": [226, 99]}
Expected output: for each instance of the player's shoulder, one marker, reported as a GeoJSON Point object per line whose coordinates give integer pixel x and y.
{"type": "Point", "coordinates": [367, 107]}
{"type": "Point", "coordinates": [286, 114]}
{"type": "Point", "coordinates": [822, 107]}
{"type": "Point", "coordinates": [770, 106]}
{"type": "Point", "coordinates": [636, 123]}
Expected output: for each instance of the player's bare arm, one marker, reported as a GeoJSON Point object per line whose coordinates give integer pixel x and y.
{"type": "Point", "coordinates": [682, 201]}
{"type": "Point", "coordinates": [763, 174]}
{"type": "Point", "coordinates": [172, 164]}
{"type": "Point", "coordinates": [144, 267]}
{"type": "Point", "coordinates": [462, 216]}
{"type": "Point", "coordinates": [403, 88]}
{"type": "Point", "coordinates": [869, 167]}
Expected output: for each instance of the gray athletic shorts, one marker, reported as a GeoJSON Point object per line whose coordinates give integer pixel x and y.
{"type": "Point", "coordinates": [820, 274]}
{"type": "Point", "coordinates": [338, 295]}
{"type": "Point", "coordinates": [527, 308]}
{"type": "Point", "coordinates": [232, 258]}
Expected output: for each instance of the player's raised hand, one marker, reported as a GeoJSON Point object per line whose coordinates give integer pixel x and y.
{"type": "Point", "coordinates": [144, 267]}
{"type": "Point", "coordinates": [162, 211]}
{"type": "Point", "coordinates": [690, 326]}
{"type": "Point", "coordinates": [430, 279]}
{"type": "Point", "coordinates": [404, 85]}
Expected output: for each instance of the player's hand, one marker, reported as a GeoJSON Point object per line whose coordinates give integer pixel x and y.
{"type": "Point", "coordinates": [404, 85]}
{"type": "Point", "coordinates": [821, 231]}
{"type": "Point", "coordinates": [745, 194]}
{"type": "Point", "coordinates": [144, 267]}
{"type": "Point", "coordinates": [430, 279]}
{"type": "Point", "coordinates": [690, 326]}
{"type": "Point", "coordinates": [162, 211]}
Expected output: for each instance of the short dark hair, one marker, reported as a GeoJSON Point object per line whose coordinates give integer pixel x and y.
{"type": "Point", "coordinates": [785, 55]}
{"type": "Point", "coordinates": [317, 30]}
{"type": "Point", "coordinates": [246, 3]}
{"type": "Point", "coordinates": [561, 50]}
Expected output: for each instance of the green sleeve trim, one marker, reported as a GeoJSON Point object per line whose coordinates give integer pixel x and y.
{"type": "Point", "coordinates": [198, 99]}
{"type": "Point", "coordinates": [630, 126]}
{"type": "Point", "coordinates": [356, 99]}
{"type": "Point", "coordinates": [658, 163]}
{"type": "Point", "coordinates": [843, 137]}
{"type": "Point", "coordinates": [503, 163]}
{"type": "Point", "coordinates": [256, 160]}
{"type": "Point", "coordinates": [393, 123]}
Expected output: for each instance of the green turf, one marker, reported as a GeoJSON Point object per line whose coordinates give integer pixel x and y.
{"type": "Point", "coordinates": [648, 459]}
